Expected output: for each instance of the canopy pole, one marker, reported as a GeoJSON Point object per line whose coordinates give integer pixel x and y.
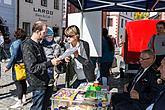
{"type": "Point", "coordinates": [152, 9]}
{"type": "Point", "coordinates": [82, 16]}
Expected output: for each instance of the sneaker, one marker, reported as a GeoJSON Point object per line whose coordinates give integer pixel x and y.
{"type": "Point", "coordinates": [24, 99]}
{"type": "Point", "coordinates": [17, 105]}
{"type": "Point", "coordinates": [3, 60]}
{"type": "Point", "coordinates": [7, 60]}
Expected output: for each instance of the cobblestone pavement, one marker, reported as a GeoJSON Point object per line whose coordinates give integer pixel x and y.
{"type": "Point", "coordinates": [8, 91]}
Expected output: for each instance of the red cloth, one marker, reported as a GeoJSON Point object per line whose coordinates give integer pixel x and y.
{"type": "Point", "coordinates": [138, 34]}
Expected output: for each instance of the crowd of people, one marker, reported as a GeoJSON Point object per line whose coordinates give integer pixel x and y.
{"type": "Point", "coordinates": [40, 55]}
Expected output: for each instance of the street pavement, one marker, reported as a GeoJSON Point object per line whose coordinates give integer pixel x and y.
{"type": "Point", "coordinates": [8, 91]}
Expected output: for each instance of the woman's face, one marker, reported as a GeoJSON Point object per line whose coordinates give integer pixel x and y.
{"type": "Point", "coordinates": [72, 39]}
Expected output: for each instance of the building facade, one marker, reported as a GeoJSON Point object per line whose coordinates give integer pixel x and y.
{"type": "Point", "coordinates": [8, 17]}
{"type": "Point", "coordinates": [49, 11]}
{"type": "Point", "coordinates": [116, 22]}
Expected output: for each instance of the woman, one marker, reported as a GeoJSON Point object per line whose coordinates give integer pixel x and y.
{"type": "Point", "coordinates": [16, 58]}
{"type": "Point", "coordinates": [79, 68]}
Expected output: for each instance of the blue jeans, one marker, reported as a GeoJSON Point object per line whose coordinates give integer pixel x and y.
{"type": "Point", "coordinates": [38, 100]}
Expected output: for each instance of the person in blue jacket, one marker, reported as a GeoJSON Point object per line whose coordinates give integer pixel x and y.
{"type": "Point", "coordinates": [16, 58]}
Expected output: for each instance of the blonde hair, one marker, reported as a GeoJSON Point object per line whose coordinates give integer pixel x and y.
{"type": "Point", "coordinates": [72, 31]}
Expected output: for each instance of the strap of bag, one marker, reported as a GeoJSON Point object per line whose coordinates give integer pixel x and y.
{"type": "Point", "coordinates": [153, 42]}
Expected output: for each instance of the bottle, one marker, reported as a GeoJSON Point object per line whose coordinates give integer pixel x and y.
{"type": "Point", "coordinates": [97, 71]}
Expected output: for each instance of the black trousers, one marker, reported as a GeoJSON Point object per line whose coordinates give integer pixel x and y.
{"type": "Point", "coordinates": [21, 88]}
{"type": "Point", "coordinates": [122, 101]}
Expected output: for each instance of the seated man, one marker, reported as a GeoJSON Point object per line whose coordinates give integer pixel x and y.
{"type": "Point", "coordinates": [159, 103]}
{"type": "Point", "coordinates": [143, 88]}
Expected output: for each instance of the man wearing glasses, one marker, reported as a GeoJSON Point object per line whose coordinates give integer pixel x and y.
{"type": "Point", "coordinates": [142, 89]}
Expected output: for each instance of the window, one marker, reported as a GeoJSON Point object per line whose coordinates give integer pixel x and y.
{"type": "Point", "coordinates": [30, 1]}
{"type": "Point", "coordinates": [8, 2]}
{"type": "Point", "coordinates": [122, 23]}
{"type": "Point", "coordinates": [44, 3]}
{"type": "Point", "coordinates": [110, 22]}
{"type": "Point", "coordinates": [56, 31]}
{"type": "Point", "coordinates": [26, 27]}
{"type": "Point", "coordinates": [56, 4]}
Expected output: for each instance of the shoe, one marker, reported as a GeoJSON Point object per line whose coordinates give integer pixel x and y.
{"type": "Point", "coordinates": [3, 60]}
{"type": "Point", "coordinates": [24, 99]}
{"type": "Point", "coordinates": [17, 105]}
{"type": "Point", "coordinates": [51, 82]}
{"type": "Point", "coordinates": [7, 60]}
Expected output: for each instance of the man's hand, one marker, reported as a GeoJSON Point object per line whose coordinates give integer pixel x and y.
{"type": "Point", "coordinates": [6, 69]}
{"type": "Point", "coordinates": [56, 61]}
{"type": "Point", "coordinates": [125, 87]}
{"type": "Point", "coordinates": [67, 59]}
{"type": "Point", "coordinates": [134, 94]}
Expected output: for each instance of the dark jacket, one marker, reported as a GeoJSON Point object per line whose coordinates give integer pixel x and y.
{"type": "Point", "coordinates": [88, 67]}
{"type": "Point", "coordinates": [36, 64]}
{"type": "Point", "coordinates": [160, 102]}
{"type": "Point", "coordinates": [146, 86]}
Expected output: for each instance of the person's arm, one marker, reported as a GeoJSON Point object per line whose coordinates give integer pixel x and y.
{"type": "Point", "coordinates": [1, 40]}
{"type": "Point", "coordinates": [14, 52]}
{"type": "Point", "coordinates": [150, 43]}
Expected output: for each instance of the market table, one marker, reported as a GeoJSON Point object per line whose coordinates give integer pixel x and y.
{"type": "Point", "coordinates": [85, 97]}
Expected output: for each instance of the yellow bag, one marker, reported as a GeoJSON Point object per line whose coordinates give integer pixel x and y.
{"type": "Point", "coordinates": [20, 71]}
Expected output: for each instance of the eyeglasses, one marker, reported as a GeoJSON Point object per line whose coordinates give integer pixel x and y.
{"type": "Point", "coordinates": [144, 58]}
{"type": "Point", "coordinates": [70, 36]}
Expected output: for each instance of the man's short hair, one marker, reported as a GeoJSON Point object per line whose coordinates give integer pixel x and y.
{"type": "Point", "coordinates": [38, 25]}
{"type": "Point", "coordinates": [149, 52]}
{"type": "Point", "coordinates": [161, 23]}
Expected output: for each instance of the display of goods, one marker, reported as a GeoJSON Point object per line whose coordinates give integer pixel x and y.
{"type": "Point", "coordinates": [94, 88]}
{"type": "Point", "coordinates": [66, 94]}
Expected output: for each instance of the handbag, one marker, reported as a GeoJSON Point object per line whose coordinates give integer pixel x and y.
{"type": "Point", "coordinates": [20, 71]}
